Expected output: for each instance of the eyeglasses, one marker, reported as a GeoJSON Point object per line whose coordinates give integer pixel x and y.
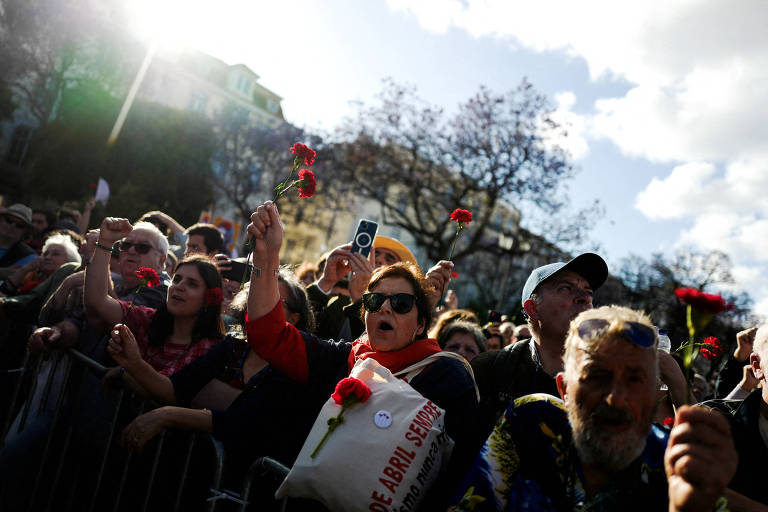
{"type": "Point", "coordinates": [641, 335]}
{"type": "Point", "coordinates": [401, 303]}
{"type": "Point", "coordinates": [9, 220]}
{"type": "Point", "coordinates": [140, 247]}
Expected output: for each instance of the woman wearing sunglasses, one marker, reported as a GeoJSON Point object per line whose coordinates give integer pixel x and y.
{"type": "Point", "coordinates": [397, 313]}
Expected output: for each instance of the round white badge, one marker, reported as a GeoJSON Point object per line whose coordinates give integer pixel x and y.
{"type": "Point", "coordinates": [382, 419]}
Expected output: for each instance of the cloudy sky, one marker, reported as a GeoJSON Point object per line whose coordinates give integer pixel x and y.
{"type": "Point", "coordinates": [665, 101]}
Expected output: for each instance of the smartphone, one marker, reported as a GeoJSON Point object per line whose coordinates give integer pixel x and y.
{"type": "Point", "coordinates": [238, 270]}
{"type": "Point", "coordinates": [364, 236]}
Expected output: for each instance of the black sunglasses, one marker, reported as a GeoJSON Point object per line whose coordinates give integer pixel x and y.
{"type": "Point", "coordinates": [140, 247]}
{"type": "Point", "coordinates": [401, 303]}
{"type": "Point", "coordinates": [641, 335]}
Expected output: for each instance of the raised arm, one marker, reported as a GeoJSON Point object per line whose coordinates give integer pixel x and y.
{"type": "Point", "coordinates": [85, 218]}
{"type": "Point", "coordinates": [266, 234]}
{"type": "Point", "coordinates": [96, 297]}
{"type": "Point", "coordinates": [166, 219]}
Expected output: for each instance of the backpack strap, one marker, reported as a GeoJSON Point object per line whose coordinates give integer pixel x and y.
{"type": "Point", "coordinates": [507, 368]}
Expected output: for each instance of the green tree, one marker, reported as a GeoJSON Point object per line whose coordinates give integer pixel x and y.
{"type": "Point", "coordinates": [49, 47]}
{"type": "Point", "coordinates": [162, 159]}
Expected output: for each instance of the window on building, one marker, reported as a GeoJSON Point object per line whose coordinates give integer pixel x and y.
{"type": "Point", "coordinates": [243, 84]}
{"type": "Point", "coordinates": [19, 144]}
{"type": "Point", "coordinates": [272, 106]}
{"type": "Point", "coordinates": [198, 102]}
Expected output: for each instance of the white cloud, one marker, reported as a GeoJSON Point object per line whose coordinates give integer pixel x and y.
{"type": "Point", "coordinates": [700, 68]}
{"type": "Point", "coordinates": [575, 126]}
{"type": "Point", "coordinates": [728, 212]}
{"type": "Point", "coordinates": [678, 194]}
{"type": "Point", "coordinates": [698, 71]}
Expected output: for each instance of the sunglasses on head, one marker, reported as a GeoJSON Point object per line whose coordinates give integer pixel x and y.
{"type": "Point", "coordinates": [140, 247]}
{"type": "Point", "coordinates": [400, 303]}
{"type": "Point", "coordinates": [641, 335]}
{"type": "Point", "coordinates": [10, 220]}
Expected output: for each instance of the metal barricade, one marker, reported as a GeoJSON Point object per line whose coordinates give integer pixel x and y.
{"type": "Point", "coordinates": [71, 471]}
{"type": "Point", "coordinates": [264, 467]}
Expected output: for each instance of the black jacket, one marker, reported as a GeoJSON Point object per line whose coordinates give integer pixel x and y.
{"type": "Point", "coordinates": [743, 417]}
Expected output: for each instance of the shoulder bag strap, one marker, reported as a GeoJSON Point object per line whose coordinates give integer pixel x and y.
{"type": "Point", "coordinates": [415, 369]}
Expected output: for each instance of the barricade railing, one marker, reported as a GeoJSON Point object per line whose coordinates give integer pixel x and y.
{"type": "Point", "coordinates": [264, 467]}
{"type": "Point", "coordinates": [71, 471]}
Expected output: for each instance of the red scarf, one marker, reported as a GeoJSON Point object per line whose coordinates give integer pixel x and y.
{"type": "Point", "coordinates": [397, 359]}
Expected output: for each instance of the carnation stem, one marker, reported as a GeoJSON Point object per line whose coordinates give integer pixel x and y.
{"type": "Point", "coordinates": [332, 424]}
{"type": "Point", "coordinates": [286, 189]}
{"type": "Point", "coordinates": [130, 306]}
{"type": "Point", "coordinates": [453, 244]}
{"type": "Point", "coordinates": [248, 244]}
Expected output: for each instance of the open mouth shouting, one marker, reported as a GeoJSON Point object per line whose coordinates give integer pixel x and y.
{"type": "Point", "coordinates": [385, 326]}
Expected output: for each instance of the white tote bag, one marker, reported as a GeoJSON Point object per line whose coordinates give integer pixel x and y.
{"type": "Point", "coordinates": [386, 453]}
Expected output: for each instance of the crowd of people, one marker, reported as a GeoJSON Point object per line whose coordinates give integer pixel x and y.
{"type": "Point", "coordinates": [575, 409]}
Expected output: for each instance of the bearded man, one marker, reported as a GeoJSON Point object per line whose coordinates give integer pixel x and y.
{"type": "Point", "coordinates": [597, 448]}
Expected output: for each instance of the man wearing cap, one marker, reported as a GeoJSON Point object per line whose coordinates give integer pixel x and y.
{"type": "Point", "coordinates": [15, 221]}
{"type": "Point", "coordinates": [597, 448]}
{"type": "Point", "coordinates": [338, 317]}
{"type": "Point", "coordinates": [553, 295]}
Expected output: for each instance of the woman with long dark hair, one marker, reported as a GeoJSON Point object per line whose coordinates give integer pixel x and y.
{"type": "Point", "coordinates": [229, 391]}
{"type": "Point", "coordinates": [173, 335]}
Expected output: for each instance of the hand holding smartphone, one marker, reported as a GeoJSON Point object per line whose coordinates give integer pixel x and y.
{"type": "Point", "coordinates": [237, 271]}
{"type": "Point", "coordinates": [362, 242]}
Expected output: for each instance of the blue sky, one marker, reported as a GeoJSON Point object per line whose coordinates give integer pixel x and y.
{"type": "Point", "coordinates": [666, 101]}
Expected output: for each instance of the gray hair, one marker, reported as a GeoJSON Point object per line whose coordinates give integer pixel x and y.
{"type": "Point", "coordinates": [160, 238]}
{"type": "Point", "coordinates": [615, 316]}
{"type": "Point", "coordinates": [73, 253]}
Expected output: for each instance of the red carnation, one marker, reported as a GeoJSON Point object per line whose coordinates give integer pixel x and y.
{"type": "Point", "coordinates": [307, 183]}
{"type": "Point", "coordinates": [669, 422]}
{"type": "Point", "coordinates": [213, 296]}
{"type": "Point", "coordinates": [148, 277]}
{"type": "Point", "coordinates": [454, 275]}
{"type": "Point", "coordinates": [460, 216]}
{"type": "Point", "coordinates": [351, 388]}
{"type": "Point", "coordinates": [92, 186]}
{"type": "Point", "coordinates": [711, 303]}
{"type": "Point", "coordinates": [305, 152]}
{"type": "Point", "coordinates": [711, 348]}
